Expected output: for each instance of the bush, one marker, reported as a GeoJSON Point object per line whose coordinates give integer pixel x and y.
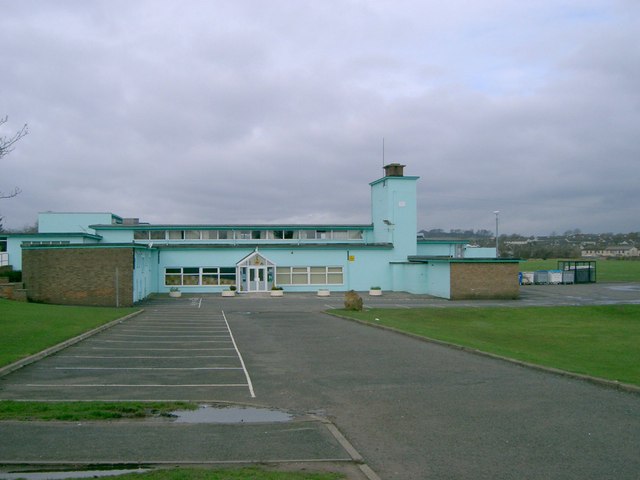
{"type": "Point", "coordinates": [352, 301]}
{"type": "Point", "coordinates": [15, 276]}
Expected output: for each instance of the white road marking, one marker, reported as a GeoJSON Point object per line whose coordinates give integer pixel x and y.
{"type": "Point", "coordinates": [127, 385]}
{"type": "Point", "coordinates": [161, 349]}
{"type": "Point", "coordinates": [147, 368]}
{"type": "Point", "coordinates": [246, 373]}
{"type": "Point", "coordinates": [152, 357]}
{"type": "Point", "coordinates": [158, 341]}
{"type": "Point", "coordinates": [166, 336]}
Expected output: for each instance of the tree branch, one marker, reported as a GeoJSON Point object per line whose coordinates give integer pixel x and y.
{"type": "Point", "coordinates": [14, 193]}
{"type": "Point", "coordinates": [6, 143]}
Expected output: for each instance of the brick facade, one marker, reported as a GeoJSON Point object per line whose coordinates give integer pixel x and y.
{"type": "Point", "coordinates": [484, 280]}
{"type": "Point", "coordinates": [79, 276]}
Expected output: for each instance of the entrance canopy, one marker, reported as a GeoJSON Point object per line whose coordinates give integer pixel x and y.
{"type": "Point", "coordinates": [256, 273]}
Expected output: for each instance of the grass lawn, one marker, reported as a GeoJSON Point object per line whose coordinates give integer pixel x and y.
{"type": "Point", "coordinates": [230, 474]}
{"type": "Point", "coordinates": [606, 270]}
{"type": "Point", "coordinates": [602, 341]}
{"type": "Point", "coordinates": [85, 411]}
{"type": "Point", "coordinates": [29, 328]}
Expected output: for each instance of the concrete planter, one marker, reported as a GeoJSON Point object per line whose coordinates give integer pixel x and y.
{"type": "Point", "coordinates": [277, 293]}
{"type": "Point", "coordinates": [375, 292]}
{"type": "Point", "coordinates": [324, 293]}
{"type": "Point", "coordinates": [175, 294]}
{"type": "Point", "coordinates": [228, 293]}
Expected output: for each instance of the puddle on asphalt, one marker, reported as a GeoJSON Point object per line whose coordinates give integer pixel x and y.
{"type": "Point", "coordinates": [223, 414]}
{"type": "Point", "coordinates": [625, 288]}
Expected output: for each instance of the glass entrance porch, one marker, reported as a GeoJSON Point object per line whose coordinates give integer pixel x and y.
{"type": "Point", "coordinates": [256, 273]}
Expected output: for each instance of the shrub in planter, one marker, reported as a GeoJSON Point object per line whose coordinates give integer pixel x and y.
{"type": "Point", "coordinates": [375, 291]}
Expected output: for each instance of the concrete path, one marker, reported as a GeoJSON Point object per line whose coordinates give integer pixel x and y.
{"type": "Point", "coordinates": [414, 410]}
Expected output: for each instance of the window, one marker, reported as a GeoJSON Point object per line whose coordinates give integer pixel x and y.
{"type": "Point", "coordinates": [210, 276]}
{"type": "Point", "coordinates": [309, 276]}
{"type": "Point", "coordinates": [196, 276]}
{"type": "Point", "coordinates": [157, 234]}
{"type": "Point", "coordinates": [209, 235]}
{"type": "Point", "coordinates": [176, 234]}
{"type": "Point", "coordinates": [173, 276]}
{"type": "Point", "coordinates": [192, 234]}
{"type": "Point", "coordinates": [228, 276]}
{"type": "Point", "coordinates": [299, 276]}
{"type": "Point", "coordinates": [318, 275]}
{"type": "Point", "coordinates": [141, 235]}
{"type": "Point", "coordinates": [334, 275]}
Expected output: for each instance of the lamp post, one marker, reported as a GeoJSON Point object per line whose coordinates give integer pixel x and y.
{"type": "Point", "coordinates": [497, 213]}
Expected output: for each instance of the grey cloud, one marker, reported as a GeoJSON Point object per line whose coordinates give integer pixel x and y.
{"type": "Point", "coordinates": [241, 112]}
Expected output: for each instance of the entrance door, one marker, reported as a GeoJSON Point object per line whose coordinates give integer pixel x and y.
{"type": "Point", "coordinates": [257, 279]}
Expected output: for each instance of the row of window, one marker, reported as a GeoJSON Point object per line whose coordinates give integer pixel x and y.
{"type": "Point", "coordinates": [309, 276]}
{"type": "Point", "coordinates": [192, 276]}
{"type": "Point", "coordinates": [248, 235]}
{"type": "Point", "coordinates": [212, 276]}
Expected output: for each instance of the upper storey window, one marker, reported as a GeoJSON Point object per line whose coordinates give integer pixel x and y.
{"type": "Point", "coordinates": [250, 235]}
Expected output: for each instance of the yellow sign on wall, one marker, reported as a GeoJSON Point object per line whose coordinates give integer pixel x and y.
{"type": "Point", "coordinates": [352, 258]}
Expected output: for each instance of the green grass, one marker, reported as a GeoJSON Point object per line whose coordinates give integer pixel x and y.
{"type": "Point", "coordinates": [602, 341]}
{"type": "Point", "coordinates": [85, 411]}
{"type": "Point", "coordinates": [606, 270]}
{"type": "Point", "coordinates": [29, 328]}
{"type": "Point", "coordinates": [228, 474]}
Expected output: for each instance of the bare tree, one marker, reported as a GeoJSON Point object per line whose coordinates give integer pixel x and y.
{"type": "Point", "coordinates": [6, 146]}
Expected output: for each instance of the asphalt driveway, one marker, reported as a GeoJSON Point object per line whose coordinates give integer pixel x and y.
{"type": "Point", "coordinates": [413, 409]}
{"type": "Point", "coordinates": [416, 410]}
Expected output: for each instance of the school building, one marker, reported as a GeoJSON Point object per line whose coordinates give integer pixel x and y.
{"type": "Point", "coordinates": [104, 259]}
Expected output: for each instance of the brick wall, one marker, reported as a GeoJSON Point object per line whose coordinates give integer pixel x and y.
{"type": "Point", "coordinates": [484, 280]}
{"type": "Point", "coordinates": [79, 276]}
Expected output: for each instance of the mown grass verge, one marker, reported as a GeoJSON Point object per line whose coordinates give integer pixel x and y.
{"type": "Point", "coordinates": [600, 341]}
{"type": "Point", "coordinates": [86, 411]}
{"type": "Point", "coordinates": [29, 328]}
{"type": "Point", "coordinates": [606, 270]}
{"type": "Point", "coordinates": [228, 474]}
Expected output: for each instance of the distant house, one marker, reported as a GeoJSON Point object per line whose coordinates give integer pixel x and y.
{"type": "Point", "coordinates": [616, 251]}
{"type": "Point", "coordinates": [592, 252]}
{"type": "Point", "coordinates": [104, 259]}
{"type": "Point", "coordinates": [621, 251]}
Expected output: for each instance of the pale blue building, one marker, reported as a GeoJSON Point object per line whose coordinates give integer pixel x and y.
{"type": "Point", "coordinates": [298, 258]}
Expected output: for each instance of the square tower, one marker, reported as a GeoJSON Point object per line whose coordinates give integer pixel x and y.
{"type": "Point", "coordinates": [394, 211]}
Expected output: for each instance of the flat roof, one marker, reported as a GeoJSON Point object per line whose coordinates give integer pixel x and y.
{"type": "Point", "coordinates": [425, 259]}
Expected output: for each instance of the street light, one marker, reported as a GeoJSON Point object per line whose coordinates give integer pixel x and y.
{"type": "Point", "coordinates": [497, 213]}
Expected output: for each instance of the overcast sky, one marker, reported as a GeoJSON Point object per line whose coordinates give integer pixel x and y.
{"type": "Point", "coordinates": [274, 111]}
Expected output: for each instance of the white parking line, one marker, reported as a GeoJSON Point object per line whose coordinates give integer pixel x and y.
{"type": "Point", "coordinates": [127, 385]}
{"type": "Point", "coordinates": [166, 336]}
{"type": "Point", "coordinates": [246, 373]}
{"type": "Point", "coordinates": [151, 357]}
{"type": "Point", "coordinates": [147, 368]}
{"type": "Point", "coordinates": [157, 341]}
{"type": "Point", "coordinates": [161, 349]}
